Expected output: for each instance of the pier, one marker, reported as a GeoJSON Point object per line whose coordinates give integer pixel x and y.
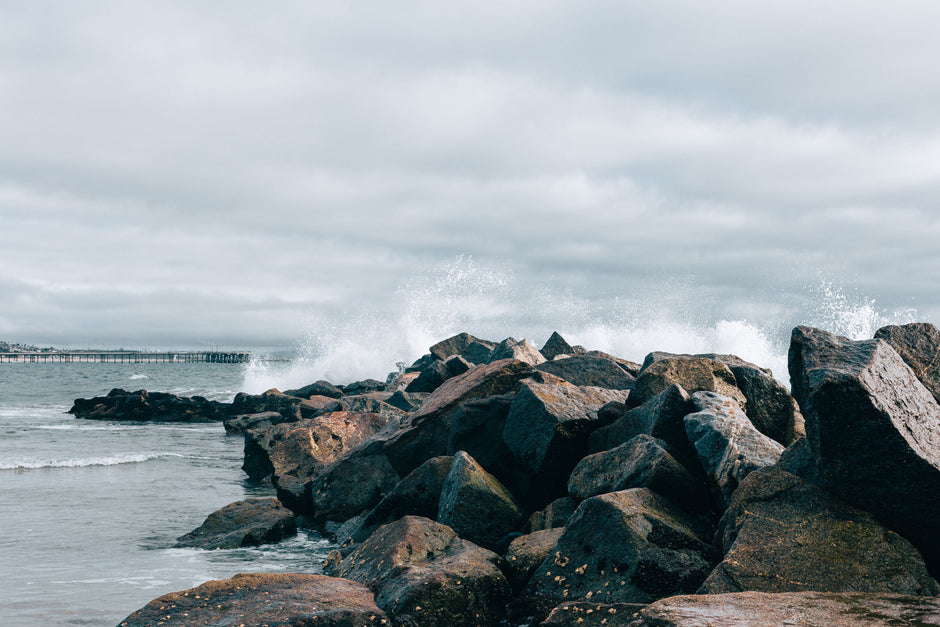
{"type": "Point", "coordinates": [133, 357]}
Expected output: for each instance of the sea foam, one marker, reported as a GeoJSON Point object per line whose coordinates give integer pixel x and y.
{"type": "Point", "coordinates": [81, 462]}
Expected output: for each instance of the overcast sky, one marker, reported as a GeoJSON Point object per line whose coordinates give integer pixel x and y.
{"type": "Point", "coordinates": [243, 173]}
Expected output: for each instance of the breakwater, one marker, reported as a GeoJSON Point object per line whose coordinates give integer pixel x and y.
{"type": "Point", "coordinates": [220, 357]}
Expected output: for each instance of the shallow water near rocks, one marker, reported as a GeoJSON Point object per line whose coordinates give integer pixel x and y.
{"type": "Point", "coordinates": [89, 509]}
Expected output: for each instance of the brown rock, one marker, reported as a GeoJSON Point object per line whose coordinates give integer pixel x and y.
{"type": "Point", "coordinates": [693, 374]}
{"type": "Point", "coordinates": [243, 523]}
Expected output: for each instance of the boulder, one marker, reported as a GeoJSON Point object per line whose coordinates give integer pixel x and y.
{"type": "Point", "coordinates": [476, 505]}
{"type": "Point", "coordinates": [424, 575]}
{"type": "Point", "coordinates": [585, 614]}
{"type": "Point", "coordinates": [555, 514]}
{"type": "Point", "coordinates": [660, 417]}
{"type": "Point", "coordinates": [770, 407]}
{"type": "Point", "coordinates": [362, 387]}
{"type": "Point", "coordinates": [555, 346]}
{"type": "Point", "coordinates": [265, 599]}
{"type": "Point", "coordinates": [150, 406]}
{"type": "Point", "coordinates": [405, 401]}
{"type": "Point", "coordinates": [759, 609]}
{"type": "Point", "coordinates": [426, 432]}
{"type": "Point", "coordinates": [590, 370]}
{"type": "Point", "coordinates": [319, 388]}
{"type": "Point", "coordinates": [783, 534]}
{"type": "Point", "coordinates": [511, 349]}
{"type": "Point", "coordinates": [874, 431]}
{"type": "Point", "coordinates": [418, 494]}
{"type": "Point", "coordinates": [694, 374]}
{"type": "Point", "coordinates": [728, 445]}
{"type": "Point", "coordinates": [317, 405]}
{"type": "Point", "coordinates": [918, 344]}
{"type": "Point", "coordinates": [272, 400]}
{"type": "Point", "coordinates": [351, 485]}
{"type": "Point", "coordinates": [241, 424]}
{"type": "Point", "coordinates": [243, 523]}
{"type": "Point", "coordinates": [458, 345]}
{"type": "Point", "coordinates": [642, 462]}
{"type": "Point", "coordinates": [371, 404]}
{"type": "Point", "coordinates": [527, 552]}
{"type": "Point", "coordinates": [624, 547]}
{"type": "Point", "coordinates": [548, 426]}
{"type": "Point", "coordinates": [439, 371]}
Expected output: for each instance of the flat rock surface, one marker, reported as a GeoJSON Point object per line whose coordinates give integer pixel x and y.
{"type": "Point", "coordinates": [243, 523]}
{"type": "Point", "coordinates": [762, 609]}
{"type": "Point", "coordinates": [285, 600]}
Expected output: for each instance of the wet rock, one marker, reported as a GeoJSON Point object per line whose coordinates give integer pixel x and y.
{"type": "Point", "coordinates": [319, 388]}
{"type": "Point", "coordinates": [555, 514]}
{"type": "Point", "coordinates": [476, 505]}
{"type": "Point", "coordinates": [351, 485]}
{"type": "Point", "coordinates": [874, 431]}
{"type": "Point", "coordinates": [918, 344]}
{"type": "Point", "coordinates": [770, 407]}
{"type": "Point", "coordinates": [272, 400]}
{"type": "Point", "coordinates": [511, 349]}
{"type": "Point", "coordinates": [584, 614]}
{"type": "Point", "coordinates": [694, 374]}
{"type": "Point", "coordinates": [241, 424]}
{"type": "Point", "coordinates": [555, 346]}
{"type": "Point", "coordinates": [728, 445]}
{"type": "Point", "coordinates": [592, 370]}
{"type": "Point", "coordinates": [460, 344]}
{"type": "Point", "coordinates": [783, 534]}
{"type": "Point", "coordinates": [642, 462]}
{"type": "Point", "coordinates": [426, 432]}
{"type": "Point", "coordinates": [243, 523]}
{"type": "Point", "coordinates": [424, 575]}
{"type": "Point", "coordinates": [759, 609]}
{"type": "Point", "coordinates": [527, 552]}
{"type": "Point", "coordinates": [548, 426]}
{"type": "Point", "coordinates": [624, 547]}
{"type": "Point", "coordinates": [265, 599]}
{"type": "Point", "coordinates": [150, 406]}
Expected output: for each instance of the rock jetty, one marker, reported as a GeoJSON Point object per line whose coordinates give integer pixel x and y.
{"type": "Point", "coordinates": [494, 483]}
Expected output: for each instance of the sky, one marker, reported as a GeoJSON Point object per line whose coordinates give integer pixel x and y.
{"type": "Point", "coordinates": [260, 174]}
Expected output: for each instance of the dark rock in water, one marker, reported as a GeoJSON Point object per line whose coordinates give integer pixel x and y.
{"type": "Point", "coordinates": [548, 426]}
{"type": "Point", "coordinates": [874, 431]}
{"type": "Point", "coordinates": [418, 494]}
{"type": "Point", "coordinates": [265, 599]}
{"type": "Point", "coordinates": [426, 431]}
{"type": "Point", "coordinates": [556, 514]}
{"type": "Point", "coordinates": [149, 406]}
{"type": "Point", "coordinates": [759, 609]}
{"type": "Point", "coordinates": [243, 523]}
{"type": "Point", "coordinates": [728, 445]}
{"type": "Point", "coordinates": [590, 370]}
{"type": "Point", "coordinates": [660, 417]}
{"type": "Point", "coordinates": [623, 547]}
{"type": "Point", "coordinates": [476, 505]}
{"type": "Point", "coordinates": [527, 552]}
{"type": "Point", "coordinates": [555, 346]}
{"type": "Point", "coordinates": [363, 387]}
{"type": "Point", "coordinates": [783, 534]}
{"type": "Point", "coordinates": [318, 405]}
{"type": "Point", "coordinates": [585, 614]}
{"type": "Point", "coordinates": [642, 462]}
{"type": "Point", "coordinates": [272, 400]}
{"type": "Point", "coordinates": [459, 345]}
{"type": "Point", "coordinates": [320, 388]}
{"type": "Point", "coordinates": [424, 575]}
{"type": "Point", "coordinates": [351, 485]}
{"type": "Point", "coordinates": [694, 374]}
{"type": "Point", "coordinates": [918, 344]}
{"type": "Point", "coordinates": [241, 424]}
{"type": "Point", "coordinates": [511, 349]}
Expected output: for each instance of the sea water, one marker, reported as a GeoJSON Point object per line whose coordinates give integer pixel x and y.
{"type": "Point", "coordinates": [90, 510]}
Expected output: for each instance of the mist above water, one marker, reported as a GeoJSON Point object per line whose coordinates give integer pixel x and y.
{"type": "Point", "coordinates": [486, 301]}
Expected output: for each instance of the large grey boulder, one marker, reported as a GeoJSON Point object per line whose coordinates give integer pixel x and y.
{"type": "Point", "coordinates": [728, 445]}
{"type": "Point", "coordinates": [783, 534]}
{"type": "Point", "coordinates": [511, 349]}
{"type": "Point", "coordinates": [243, 523]}
{"type": "Point", "coordinates": [918, 344]}
{"type": "Point", "coordinates": [874, 431]}
{"type": "Point", "coordinates": [287, 600]}
{"type": "Point", "coordinates": [476, 505]}
{"type": "Point", "coordinates": [624, 547]}
{"type": "Point", "coordinates": [761, 609]}
{"type": "Point", "coordinates": [424, 575]}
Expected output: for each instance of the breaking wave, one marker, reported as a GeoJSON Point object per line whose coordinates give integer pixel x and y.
{"type": "Point", "coordinates": [82, 462]}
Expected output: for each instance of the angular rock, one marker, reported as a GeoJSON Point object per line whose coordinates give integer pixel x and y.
{"type": "Point", "coordinates": [319, 388]}
{"type": "Point", "coordinates": [555, 346]}
{"type": "Point", "coordinates": [759, 609]}
{"type": "Point", "coordinates": [476, 505]}
{"type": "Point", "coordinates": [874, 431]}
{"type": "Point", "coordinates": [439, 371]}
{"type": "Point", "coordinates": [426, 431]}
{"type": "Point", "coordinates": [351, 485]}
{"type": "Point", "coordinates": [265, 599]}
{"type": "Point", "coordinates": [317, 405]}
{"type": "Point", "coordinates": [694, 374]}
{"type": "Point", "coordinates": [548, 426]}
{"type": "Point", "coordinates": [556, 514]}
{"type": "Point", "coordinates": [241, 424]}
{"type": "Point", "coordinates": [728, 445]}
{"type": "Point", "coordinates": [584, 614]}
{"type": "Point", "coordinates": [770, 407]}
{"type": "Point", "coordinates": [243, 523]}
{"type": "Point", "coordinates": [457, 345]}
{"type": "Point", "coordinates": [272, 400]}
{"type": "Point", "coordinates": [150, 406]}
{"type": "Point", "coordinates": [783, 534]}
{"type": "Point", "coordinates": [405, 401]}
{"type": "Point", "coordinates": [362, 387]}
{"type": "Point", "coordinates": [371, 404]}
{"type": "Point", "coordinates": [418, 494]}
{"type": "Point", "coordinates": [918, 344]}
{"type": "Point", "coordinates": [660, 417]}
{"type": "Point", "coordinates": [511, 349]}
{"type": "Point", "coordinates": [527, 552]}
{"type": "Point", "coordinates": [424, 575]}
{"type": "Point", "coordinates": [590, 370]}
{"type": "Point", "coordinates": [642, 462]}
